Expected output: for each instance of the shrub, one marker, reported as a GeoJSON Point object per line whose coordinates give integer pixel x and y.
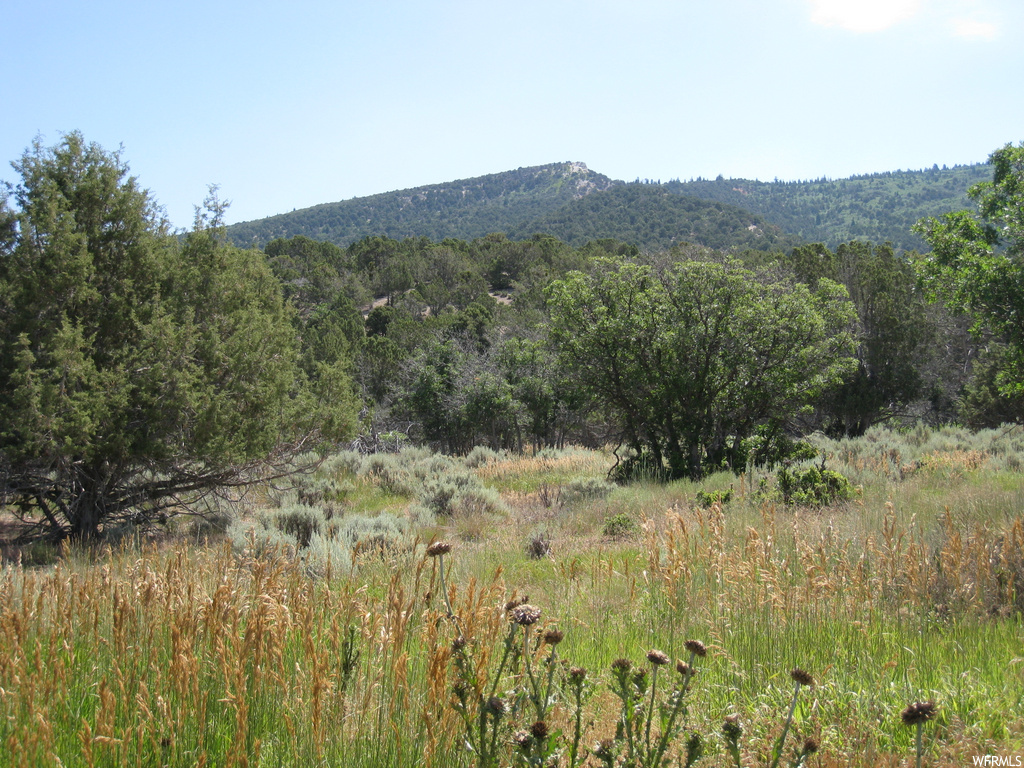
{"type": "Point", "coordinates": [586, 489]}
{"type": "Point", "coordinates": [620, 526]}
{"type": "Point", "coordinates": [706, 498]}
{"type": "Point", "coordinates": [813, 486]}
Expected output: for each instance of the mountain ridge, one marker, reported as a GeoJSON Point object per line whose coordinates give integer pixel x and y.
{"type": "Point", "coordinates": [566, 200]}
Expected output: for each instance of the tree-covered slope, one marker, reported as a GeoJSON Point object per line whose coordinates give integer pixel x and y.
{"type": "Point", "coordinates": [462, 209]}
{"type": "Point", "coordinates": [652, 217]}
{"type": "Point", "coordinates": [576, 204]}
{"type": "Point", "coordinates": [880, 207]}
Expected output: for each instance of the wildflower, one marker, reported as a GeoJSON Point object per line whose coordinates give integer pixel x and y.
{"type": "Point", "coordinates": [539, 730]}
{"type": "Point", "coordinates": [577, 675]}
{"type": "Point", "coordinates": [459, 644]}
{"type": "Point", "coordinates": [513, 603]}
{"type": "Point", "coordinates": [604, 749]}
{"type": "Point", "coordinates": [524, 615]}
{"type": "Point", "coordinates": [439, 548]}
{"type": "Point", "coordinates": [496, 706]}
{"type": "Point", "coordinates": [683, 668]}
{"type": "Point", "coordinates": [622, 665]}
{"type": "Point", "coordinates": [521, 739]}
{"type": "Point", "coordinates": [731, 728]}
{"type": "Point", "coordinates": [801, 677]}
{"type": "Point", "coordinates": [810, 747]}
{"type": "Point", "coordinates": [696, 647]}
{"type": "Point", "coordinates": [657, 658]}
{"type": "Point", "coordinates": [919, 712]}
{"type": "Point", "coordinates": [553, 637]}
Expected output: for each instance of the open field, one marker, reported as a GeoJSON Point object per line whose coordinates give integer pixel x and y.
{"type": "Point", "coordinates": [317, 632]}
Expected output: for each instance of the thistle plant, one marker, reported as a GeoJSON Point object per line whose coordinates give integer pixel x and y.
{"type": "Point", "coordinates": [732, 730]}
{"type": "Point", "coordinates": [578, 689]}
{"type": "Point", "coordinates": [800, 679]}
{"type": "Point", "coordinates": [640, 706]}
{"type": "Point", "coordinates": [916, 715]}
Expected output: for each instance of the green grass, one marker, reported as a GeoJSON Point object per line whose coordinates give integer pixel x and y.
{"type": "Point", "coordinates": [179, 655]}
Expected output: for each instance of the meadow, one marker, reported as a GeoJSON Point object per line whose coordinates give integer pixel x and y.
{"type": "Point", "coordinates": [382, 611]}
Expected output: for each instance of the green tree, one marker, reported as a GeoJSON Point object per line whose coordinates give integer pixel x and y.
{"type": "Point", "coordinates": [693, 358]}
{"type": "Point", "coordinates": [138, 372]}
{"type": "Point", "coordinates": [894, 329]}
{"type": "Point", "coordinates": [977, 261]}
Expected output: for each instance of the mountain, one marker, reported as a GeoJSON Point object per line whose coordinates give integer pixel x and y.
{"type": "Point", "coordinates": [575, 204]}
{"type": "Point", "coordinates": [879, 207]}
{"type": "Point", "coordinates": [463, 209]}
{"type": "Point", "coordinates": [652, 216]}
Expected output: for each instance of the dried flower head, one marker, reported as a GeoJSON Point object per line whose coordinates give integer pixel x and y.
{"type": "Point", "coordinates": [521, 739]}
{"type": "Point", "coordinates": [604, 749]}
{"type": "Point", "coordinates": [683, 668]}
{"type": "Point", "coordinates": [539, 730]}
{"type": "Point", "coordinates": [524, 615]}
{"type": "Point", "coordinates": [810, 746]}
{"type": "Point", "coordinates": [801, 677]}
{"type": "Point", "coordinates": [658, 658]}
{"type": "Point", "coordinates": [622, 665]}
{"type": "Point", "coordinates": [697, 648]}
{"type": "Point", "coordinates": [514, 603]}
{"type": "Point", "coordinates": [439, 548]}
{"type": "Point", "coordinates": [919, 712]}
{"type": "Point", "coordinates": [459, 644]}
{"type": "Point", "coordinates": [731, 728]}
{"type": "Point", "coordinates": [577, 675]}
{"type": "Point", "coordinates": [694, 748]}
{"type": "Point", "coordinates": [553, 636]}
{"type": "Point", "coordinates": [496, 706]}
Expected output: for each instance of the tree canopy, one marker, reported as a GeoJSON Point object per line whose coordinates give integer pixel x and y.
{"type": "Point", "coordinates": [976, 263]}
{"type": "Point", "coordinates": [695, 357]}
{"type": "Point", "coordinates": [138, 371]}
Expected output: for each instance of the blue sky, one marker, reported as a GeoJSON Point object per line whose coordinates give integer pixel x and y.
{"type": "Point", "coordinates": [286, 105]}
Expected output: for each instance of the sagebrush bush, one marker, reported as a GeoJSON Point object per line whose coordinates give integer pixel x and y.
{"type": "Point", "coordinates": [586, 489]}
{"type": "Point", "coordinates": [620, 526]}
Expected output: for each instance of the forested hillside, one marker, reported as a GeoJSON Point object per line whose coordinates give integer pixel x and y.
{"type": "Point", "coordinates": [652, 217]}
{"type": "Point", "coordinates": [575, 204]}
{"type": "Point", "coordinates": [461, 209]}
{"type": "Point", "coordinates": [880, 207]}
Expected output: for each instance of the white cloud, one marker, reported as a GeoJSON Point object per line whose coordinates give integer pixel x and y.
{"type": "Point", "coordinates": [972, 28]}
{"type": "Point", "coordinates": [863, 15]}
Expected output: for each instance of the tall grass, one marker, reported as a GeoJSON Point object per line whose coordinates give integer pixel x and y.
{"type": "Point", "coordinates": [183, 655]}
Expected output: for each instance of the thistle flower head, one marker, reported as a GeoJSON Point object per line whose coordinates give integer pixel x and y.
{"type": "Point", "coordinates": [496, 706]}
{"type": "Point", "coordinates": [694, 748]}
{"type": "Point", "coordinates": [810, 747]}
{"type": "Point", "coordinates": [459, 644]}
{"type": "Point", "coordinates": [577, 675]}
{"type": "Point", "coordinates": [622, 665]}
{"type": "Point", "coordinates": [514, 603]}
{"type": "Point", "coordinates": [553, 636]}
{"type": "Point", "coordinates": [683, 668]}
{"type": "Point", "coordinates": [657, 658]}
{"type": "Point", "coordinates": [696, 647]}
{"type": "Point", "coordinates": [801, 677]}
{"type": "Point", "coordinates": [521, 739]}
{"type": "Point", "coordinates": [731, 728]}
{"type": "Point", "coordinates": [604, 749]}
{"type": "Point", "coordinates": [439, 548]}
{"type": "Point", "coordinates": [539, 730]}
{"type": "Point", "coordinates": [524, 615]}
{"type": "Point", "coordinates": [919, 712]}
